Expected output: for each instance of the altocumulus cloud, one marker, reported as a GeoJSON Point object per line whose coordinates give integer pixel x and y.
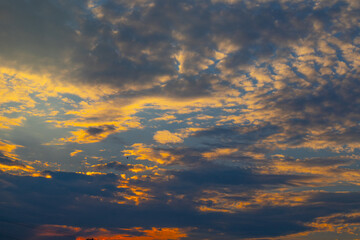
{"type": "Point", "coordinates": [147, 43]}
{"type": "Point", "coordinates": [209, 119]}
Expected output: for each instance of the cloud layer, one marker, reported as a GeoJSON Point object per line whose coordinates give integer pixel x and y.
{"type": "Point", "coordinates": [155, 119]}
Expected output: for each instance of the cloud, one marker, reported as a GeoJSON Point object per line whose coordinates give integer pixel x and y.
{"type": "Point", "coordinates": [112, 43]}
{"type": "Point", "coordinates": [240, 118]}
{"type": "Point", "coordinates": [141, 234]}
{"type": "Point", "coordinates": [87, 201]}
{"type": "Point", "coordinates": [94, 196]}
{"type": "Point", "coordinates": [165, 137]}
{"type": "Point", "coordinates": [10, 161]}
{"type": "Point", "coordinates": [74, 153]}
{"type": "Point", "coordinates": [12, 165]}
{"type": "Point", "coordinates": [144, 152]}
{"type": "Point", "coordinates": [117, 233]}
{"type": "Point", "coordinates": [221, 175]}
{"type": "Point", "coordinates": [95, 131]}
{"type": "Point", "coordinates": [113, 165]}
{"type": "Point", "coordinates": [8, 149]}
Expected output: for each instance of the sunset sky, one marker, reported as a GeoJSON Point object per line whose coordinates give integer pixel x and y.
{"type": "Point", "coordinates": [180, 119]}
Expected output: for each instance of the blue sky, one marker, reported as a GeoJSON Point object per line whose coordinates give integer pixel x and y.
{"type": "Point", "coordinates": [159, 119]}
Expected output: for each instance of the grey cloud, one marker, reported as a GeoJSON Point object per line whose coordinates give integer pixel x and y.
{"type": "Point", "coordinates": [113, 165]}
{"type": "Point", "coordinates": [35, 33]}
{"type": "Point", "coordinates": [97, 130]}
{"type": "Point", "coordinates": [219, 175]}
{"type": "Point", "coordinates": [320, 161]}
{"type": "Point", "coordinates": [249, 133]}
{"type": "Point", "coordinates": [333, 105]}
{"type": "Point", "coordinates": [136, 46]}
{"type": "Point", "coordinates": [208, 176]}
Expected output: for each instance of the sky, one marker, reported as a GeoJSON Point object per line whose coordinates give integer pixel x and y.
{"type": "Point", "coordinates": [180, 119]}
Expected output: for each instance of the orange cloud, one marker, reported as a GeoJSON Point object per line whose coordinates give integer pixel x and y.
{"type": "Point", "coordinates": [152, 234]}
{"type": "Point", "coordinates": [56, 230]}
{"type": "Point", "coordinates": [136, 233]}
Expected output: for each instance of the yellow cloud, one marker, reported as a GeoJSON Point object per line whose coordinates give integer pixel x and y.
{"type": "Point", "coordinates": [84, 137]}
{"type": "Point", "coordinates": [165, 117]}
{"type": "Point", "coordinates": [14, 164]}
{"type": "Point", "coordinates": [74, 153]}
{"type": "Point", "coordinates": [144, 152]}
{"type": "Point", "coordinates": [135, 195]}
{"type": "Point", "coordinates": [165, 137]}
{"type": "Point", "coordinates": [219, 152]}
{"type": "Point", "coordinates": [8, 148]}
{"type": "Point", "coordinates": [15, 168]}
{"type": "Point", "coordinates": [6, 122]}
{"type": "Point", "coordinates": [56, 230]}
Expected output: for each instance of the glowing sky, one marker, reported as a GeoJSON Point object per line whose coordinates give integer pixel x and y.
{"type": "Point", "coordinates": [180, 119]}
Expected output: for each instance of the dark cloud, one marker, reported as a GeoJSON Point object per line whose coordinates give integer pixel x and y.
{"type": "Point", "coordinates": [247, 134]}
{"type": "Point", "coordinates": [332, 106]}
{"type": "Point", "coordinates": [120, 45]}
{"type": "Point", "coordinates": [12, 164]}
{"type": "Point", "coordinates": [86, 201]}
{"type": "Point", "coordinates": [331, 165]}
{"type": "Point", "coordinates": [36, 33]}
{"type": "Point", "coordinates": [97, 130]}
{"type": "Point", "coordinates": [113, 165]}
{"type": "Point", "coordinates": [220, 175]}
{"type": "Point", "coordinates": [324, 162]}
